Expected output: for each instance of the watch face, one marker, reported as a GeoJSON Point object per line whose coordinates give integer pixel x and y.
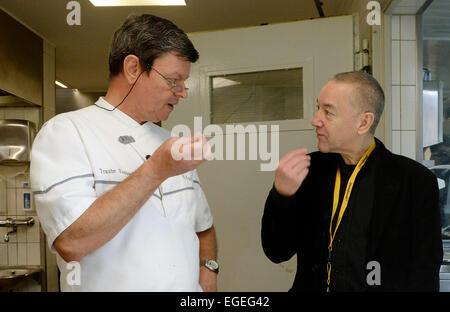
{"type": "Point", "coordinates": [212, 264]}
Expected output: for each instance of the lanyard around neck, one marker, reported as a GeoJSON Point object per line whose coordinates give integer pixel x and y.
{"type": "Point", "coordinates": [348, 191]}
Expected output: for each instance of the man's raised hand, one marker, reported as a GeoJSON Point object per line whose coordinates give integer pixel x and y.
{"type": "Point", "coordinates": [292, 171]}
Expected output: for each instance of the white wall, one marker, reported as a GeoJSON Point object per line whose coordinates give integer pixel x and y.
{"type": "Point", "coordinates": [404, 85]}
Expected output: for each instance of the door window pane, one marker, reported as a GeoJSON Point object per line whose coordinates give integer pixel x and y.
{"type": "Point", "coordinates": [257, 96]}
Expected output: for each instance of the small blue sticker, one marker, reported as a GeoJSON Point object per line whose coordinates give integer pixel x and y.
{"type": "Point", "coordinates": [26, 201]}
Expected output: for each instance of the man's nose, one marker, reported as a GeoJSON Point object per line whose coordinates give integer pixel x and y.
{"type": "Point", "coordinates": [316, 121]}
{"type": "Point", "coordinates": [183, 93]}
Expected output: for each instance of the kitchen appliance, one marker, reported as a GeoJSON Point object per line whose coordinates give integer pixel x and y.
{"type": "Point", "coordinates": [16, 137]}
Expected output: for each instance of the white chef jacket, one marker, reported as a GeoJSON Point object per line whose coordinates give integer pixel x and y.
{"type": "Point", "coordinates": [79, 156]}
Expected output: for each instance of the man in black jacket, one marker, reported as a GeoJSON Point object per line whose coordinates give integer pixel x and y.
{"type": "Point", "coordinates": [359, 217]}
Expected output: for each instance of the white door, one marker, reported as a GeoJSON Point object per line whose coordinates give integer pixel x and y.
{"type": "Point", "coordinates": [237, 189]}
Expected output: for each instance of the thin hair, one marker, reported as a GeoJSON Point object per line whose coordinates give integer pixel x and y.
{"type": "Point", "coordinates": [369, 96]}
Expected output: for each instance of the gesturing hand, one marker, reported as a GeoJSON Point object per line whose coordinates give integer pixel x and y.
{"type": "Point", "coordinates": [179, 155]}
{"type": "Point", "coordinates": [292, 171]}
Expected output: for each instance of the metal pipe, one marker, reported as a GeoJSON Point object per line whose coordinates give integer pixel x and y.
{"type": "Point", "coordinates": [27, 222]}
{"type": "Point", "coordinates": [9, 222]}
{"type": "Point", "coordinates": [6, 237]}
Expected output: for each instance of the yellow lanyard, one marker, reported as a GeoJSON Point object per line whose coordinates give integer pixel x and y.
{"type": "Point", "coordinates": [348, 191]}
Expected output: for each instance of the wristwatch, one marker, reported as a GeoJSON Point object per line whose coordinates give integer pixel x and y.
{"type": "Point", "coordinates": [210, 264]}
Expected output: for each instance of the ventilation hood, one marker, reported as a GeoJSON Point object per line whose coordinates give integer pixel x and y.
{"type": "Point", "coordinates": [10, 100]}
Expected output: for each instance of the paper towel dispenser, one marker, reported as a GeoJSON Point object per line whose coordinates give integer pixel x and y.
{"type": "Point", "coordinates": [16, 137]}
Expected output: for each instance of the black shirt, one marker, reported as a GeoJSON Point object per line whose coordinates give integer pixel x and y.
{"type": "Point", "coordinates": [349, 256]}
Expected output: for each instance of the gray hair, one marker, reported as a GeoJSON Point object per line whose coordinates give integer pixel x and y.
{"type": "Point", "coordinates": [369, 95]}
{"type": "Point", "coordinates": [148, 37]}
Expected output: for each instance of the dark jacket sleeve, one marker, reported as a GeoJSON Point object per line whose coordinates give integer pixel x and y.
{"type": "Point", "coordinates": [427, 241]}
{"type": "Point", "coordinates": [278, 231]}
{"type": "Point", "coordinates": [289, 222]}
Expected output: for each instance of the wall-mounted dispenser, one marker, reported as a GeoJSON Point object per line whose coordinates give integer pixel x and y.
{"type": "Point", "coordinates": [16, 137]}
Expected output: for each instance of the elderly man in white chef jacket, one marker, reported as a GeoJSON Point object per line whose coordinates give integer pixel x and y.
{"type": "Point", "coordinates": [119, 210]}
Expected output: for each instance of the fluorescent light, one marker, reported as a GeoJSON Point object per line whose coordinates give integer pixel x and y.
{"type": "Point", "coordinates": [136, 2]}
{"type": "Point", "coordinates": [60, 84]}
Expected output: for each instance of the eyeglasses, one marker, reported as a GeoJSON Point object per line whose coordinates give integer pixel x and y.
{"type": "Point", "coordinates": [175, 87]}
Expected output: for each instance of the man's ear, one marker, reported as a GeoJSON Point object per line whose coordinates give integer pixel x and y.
{"type": "Point", "coordinates": [131, 68]}
{"type": "Point", "coordinates": [366, 122]}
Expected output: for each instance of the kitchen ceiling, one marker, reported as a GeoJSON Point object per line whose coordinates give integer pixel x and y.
{"type": "Point", "coordinates": [82, 51]}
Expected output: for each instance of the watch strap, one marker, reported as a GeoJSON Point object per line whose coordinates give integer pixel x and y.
{"type": "Point", "coordinates": [210, 264]}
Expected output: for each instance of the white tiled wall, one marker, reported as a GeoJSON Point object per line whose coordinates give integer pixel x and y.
{"type": "Point", "coordinates": [404, 95]}
{"type": "Point", "coordinates": [408, 108]}
{"type": "Point", "coordinates": [396, 62]}
{"type": "Point", "coordinates": [396, 142]}
{"type": "Point", "coordinates": [407, 27]}
{"type": "Point", "coordinates": [396, 105]}
{"type": "Point", "coordinates": [408, 62]}
{"type": "Point", "coordinates": [23, 247]}
{"type": "Point", "coordinates": [395, 27]}
{"type": "Point", "coordinates": [408, 143]}
{"type": "Point", "coordinates": [3, 206]}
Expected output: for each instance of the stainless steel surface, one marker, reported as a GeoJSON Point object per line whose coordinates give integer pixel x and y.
{"type": "Point", "coordinates": [9, 222]}
{"type": "Point", "coordinates": [14, 223]}
{"type": "Point", "coordinates": [436, 42]}
{"type": "Point", "coordinates": [6, 222]}
{"type": "Point", "coordinates": [444, 273]}
{"type": "Point", "coordinates": [444, 278]}
{"type": "Point", "coordinates": [6, 237]}
{"type": "Point", "coordinates": [10, 100]}
{"type": "Point", "coordinates": [16, 137]}
{"type": "Point", "coordinates": [13, 277]}
{"type": "Point", "coordinates": [436, 21]}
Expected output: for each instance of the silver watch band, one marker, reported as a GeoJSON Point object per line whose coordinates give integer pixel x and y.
{"type": "Point", "coordinates": [210, 264]}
